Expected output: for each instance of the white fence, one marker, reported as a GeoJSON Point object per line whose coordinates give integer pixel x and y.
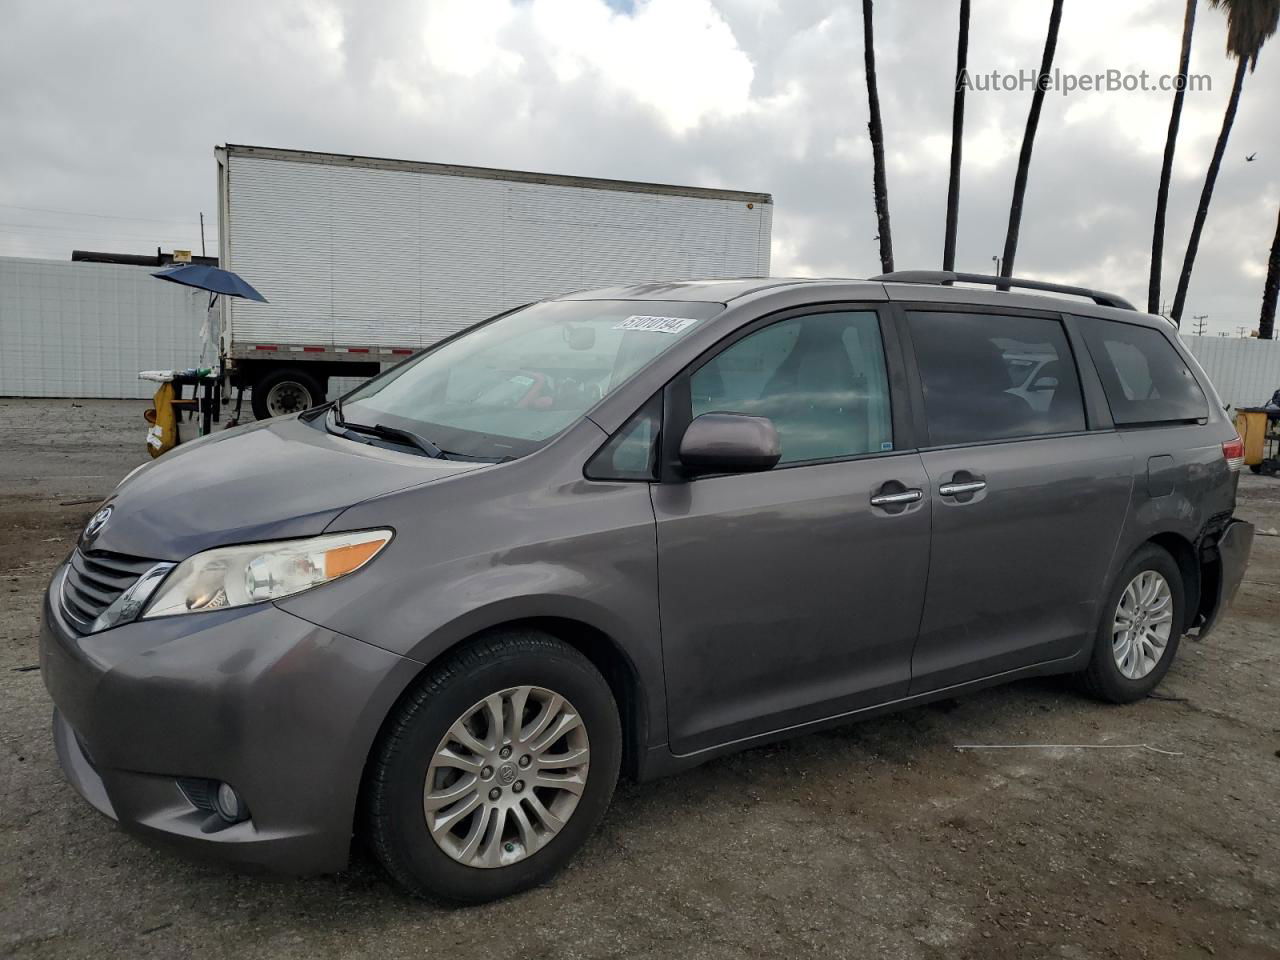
{"type": "Point", "coordinates": [70, 329]}
{"type": "Point", "coordinates": [1246, 372]}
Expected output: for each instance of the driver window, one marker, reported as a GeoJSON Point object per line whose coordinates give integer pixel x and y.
{"type": "Point", "coordinates": [821, 379]}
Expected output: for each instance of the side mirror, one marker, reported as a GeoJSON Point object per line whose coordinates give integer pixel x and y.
{"type": "Point", "coordinates": [729, 443]}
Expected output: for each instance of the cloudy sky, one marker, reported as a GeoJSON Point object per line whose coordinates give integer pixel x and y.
{"type": "Point", "coordinates": [110, 112]}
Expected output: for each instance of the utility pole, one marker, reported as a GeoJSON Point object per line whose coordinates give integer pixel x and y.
{"type": "Point", "coordinates": [1202, 323]}
{"type": "Point", "coordinates": [202, 233]}
{"type": "Point", "coordinates": [996, 261]}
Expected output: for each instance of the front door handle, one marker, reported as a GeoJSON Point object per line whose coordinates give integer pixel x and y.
{"type": "Point", "coordinates": [961, 487]}
{"type": "Point", "coordinates": [896, 499]}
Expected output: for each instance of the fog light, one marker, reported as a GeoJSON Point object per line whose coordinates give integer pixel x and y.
{"type": "Point", "coordinates": [228, 804]}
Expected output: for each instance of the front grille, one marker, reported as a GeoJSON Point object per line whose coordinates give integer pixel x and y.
{"type": "Point", "coordinates": [94, 580]}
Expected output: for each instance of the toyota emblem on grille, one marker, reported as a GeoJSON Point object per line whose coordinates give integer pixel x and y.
{"type": "Point", "coordinates": [96, 523]}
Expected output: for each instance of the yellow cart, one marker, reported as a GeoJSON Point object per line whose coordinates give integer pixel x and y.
{"type": "Point", "coordinates": [1260, 432]}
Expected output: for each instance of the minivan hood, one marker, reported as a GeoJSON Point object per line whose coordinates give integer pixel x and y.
{"type": "Point", "coordinates": [268, 481]}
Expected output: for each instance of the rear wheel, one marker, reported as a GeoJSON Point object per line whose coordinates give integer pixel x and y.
{"type": "Point", "coordinates": [494, 770]}
{"type": "Point", "coordinates": [1141, 624]}
{"type": "Point", "coordinates": [285, 391]}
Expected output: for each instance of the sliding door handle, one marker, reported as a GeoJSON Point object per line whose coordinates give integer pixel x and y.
{"type": "Point", "coordinates": [962, 487]}
{"type": "Point", "coordinates": [896, 499]}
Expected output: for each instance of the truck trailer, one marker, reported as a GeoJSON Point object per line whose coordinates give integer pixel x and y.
{"type": "Point", "coordinates": [365, 261]}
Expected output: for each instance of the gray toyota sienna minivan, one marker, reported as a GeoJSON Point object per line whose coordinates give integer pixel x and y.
{"type": "Point", "coordinates": [625, 531]}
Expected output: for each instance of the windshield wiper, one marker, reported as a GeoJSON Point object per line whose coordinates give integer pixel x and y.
{"type": "Point", "coordinates": [395, 433]}
{"type": "Point", "coordinates": [387, 433]}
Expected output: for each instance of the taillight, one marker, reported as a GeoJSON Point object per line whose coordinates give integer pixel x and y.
{"type": "Point", "coordinates": [1233, 450]}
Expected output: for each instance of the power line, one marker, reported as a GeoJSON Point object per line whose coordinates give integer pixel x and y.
{"type": "Point", "coordinates": [73, 231]}
{"type": "Point", "coordinates": [100, 216]}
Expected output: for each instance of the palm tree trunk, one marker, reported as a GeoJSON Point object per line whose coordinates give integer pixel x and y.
{"type": "Point", "coordinates": [1267, 321]}
{"type": "Point", "coordinates": [1028, 141]}
{"type": "Point", "coordinates": [957, 141]}
{"type": "Point", "coordinates": [1166, 169]}
{"type": "Point", "coordinates": [1206, 194]}
{"type": "Point", "coordinates": [877, 142]}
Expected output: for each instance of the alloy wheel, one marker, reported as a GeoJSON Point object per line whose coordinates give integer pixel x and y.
{"type": "Point", "coordinates": [506, 777]}
{"type": "Point", "coordinates": [1142, 625]}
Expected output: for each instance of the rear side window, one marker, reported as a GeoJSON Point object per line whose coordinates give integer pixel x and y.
{"type": "Point", "coordinates": [820, 378]}
{"type": "Point", "coordinates": [1145, 379]}
{"type": "Point", "coordinates": [993, 377]}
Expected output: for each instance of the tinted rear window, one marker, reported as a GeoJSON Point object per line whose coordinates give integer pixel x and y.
{"type": "Point", "coordinates": [995, 377]}
{"type": "Point", "coordinates": [1145, 379]}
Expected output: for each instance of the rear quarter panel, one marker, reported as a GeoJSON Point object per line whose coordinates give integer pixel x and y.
{"type": "Point", "coordinates": [1181, 481]}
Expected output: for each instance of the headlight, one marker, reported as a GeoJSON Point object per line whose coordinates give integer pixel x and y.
{"type": "Point", "coordinates": [235, 576]}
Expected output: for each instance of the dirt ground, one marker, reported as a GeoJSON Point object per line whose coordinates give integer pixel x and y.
{"type": "Point", "coordinates": [882, 839]}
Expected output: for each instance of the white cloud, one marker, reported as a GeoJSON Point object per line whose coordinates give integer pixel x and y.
{"type": "Point", "coordinates": [677, 57]}
{"type": "Point", "coordinates": [749, 94]}
{"type": "Point", "coordinates": [464, 37]}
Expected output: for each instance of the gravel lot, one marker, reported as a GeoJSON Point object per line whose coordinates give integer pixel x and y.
{"type": "Point", "coordinates": [879, 839]}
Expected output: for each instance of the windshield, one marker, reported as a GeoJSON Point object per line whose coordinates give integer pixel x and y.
{"type": "Point", "coordinates": [507, 387]}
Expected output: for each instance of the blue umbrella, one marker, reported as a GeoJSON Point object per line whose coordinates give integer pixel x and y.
{"type": "Point", "coordinates": [210, 278]}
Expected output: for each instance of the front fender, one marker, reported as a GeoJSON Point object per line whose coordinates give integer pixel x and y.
{"type": "Point", "coordinates": [503, 544]}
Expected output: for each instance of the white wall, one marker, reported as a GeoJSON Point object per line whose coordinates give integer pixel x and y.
{"type": "Point", "coordinates": [1245, 371]}
{"type": "Point", "coordinates": [85, 329]}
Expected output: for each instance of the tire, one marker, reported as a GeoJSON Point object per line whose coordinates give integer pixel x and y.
{"type": "Point", "coordinates": [1106, 677]}
{"type": "Point", "coordinates": [284, 391]}
{"type": "Point", "coordinates": [404, 777]}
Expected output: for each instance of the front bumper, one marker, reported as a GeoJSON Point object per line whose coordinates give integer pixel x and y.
{"type": "Point", "coordinates": [283, 710]}
{"type": "Point", "coordinates": [1233, 547]}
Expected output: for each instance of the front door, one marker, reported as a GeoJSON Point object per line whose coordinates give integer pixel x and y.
{"type": "Point", "coordinates": [792, 595]}
{"type": "Point", "coordinates": [1027, 502]}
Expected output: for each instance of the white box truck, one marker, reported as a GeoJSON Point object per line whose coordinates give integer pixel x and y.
{"type": "Point", "coordinates": [366, 261]}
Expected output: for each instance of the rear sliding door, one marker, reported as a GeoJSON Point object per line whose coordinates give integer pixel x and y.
{"type": "Point", "coordinates": [1027, 500]}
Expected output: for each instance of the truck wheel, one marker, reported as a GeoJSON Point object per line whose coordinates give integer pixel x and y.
{"type": "Point", "coordinates": [285, 391]}
{"type": "Point", "coordinates": [494, 769]}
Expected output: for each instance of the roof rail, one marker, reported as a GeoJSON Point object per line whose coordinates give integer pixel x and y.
{"type": "Point", "coordinates": [947, 277]}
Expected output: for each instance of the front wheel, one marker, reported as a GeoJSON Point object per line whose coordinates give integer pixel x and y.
{"type": "Point", "coordinates": [1142, 620]}
{"type": "Point", "coordinates": [494, 770]}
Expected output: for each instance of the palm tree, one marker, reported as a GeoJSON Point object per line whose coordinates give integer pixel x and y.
{"type": "Point", "coordinates": [1028, 140]}
{"type": "Point", "coordinates": [1267, 321]}
{"type": "Point", "coordinates": [1250, 24]}
{"type": "Point", "coordinates": [1166, 169]}
{"type": "Point", "coordinates": [957, 140]}
{"type": "Point", "coordinates": [877, 142]}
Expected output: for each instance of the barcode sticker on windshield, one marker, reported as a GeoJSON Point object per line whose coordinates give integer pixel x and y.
{"type": "Point", "coordinates": [656, 324]}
